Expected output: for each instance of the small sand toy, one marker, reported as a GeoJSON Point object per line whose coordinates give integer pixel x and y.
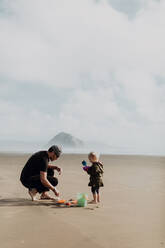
{"type": "Point", "coordinates": [73, 202]}
{"type": "Point", "coordinates": [85, 167]}
{"type": "Point", "coordinates": [80, 202]}
{"type": "Point", "coordinates": [70, 203]}
{"type": "Point", "coordinates": [82, 199]}
{"type": "Point", "coordinates": [60, 202]}
{"type": "Point", "coordinates": [84, 163]}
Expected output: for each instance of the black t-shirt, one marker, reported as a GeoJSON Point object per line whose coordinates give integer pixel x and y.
{"type": "Point", "coordinates": [36, 163]}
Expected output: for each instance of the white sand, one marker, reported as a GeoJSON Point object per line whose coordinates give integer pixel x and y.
{"type": "Point", "coordinates": [131, 215]}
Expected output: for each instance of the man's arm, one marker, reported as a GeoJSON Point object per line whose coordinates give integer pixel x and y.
{"type": "Point", "coordinates": [46, 183]}
{"type": "Point", "coordinates": [54, 167]}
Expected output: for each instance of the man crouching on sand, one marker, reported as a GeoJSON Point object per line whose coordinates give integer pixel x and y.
{"type": "Point", "coordinates": [38, 176]}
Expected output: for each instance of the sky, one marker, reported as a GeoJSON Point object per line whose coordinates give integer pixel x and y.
{"type": "Point", "coordinates": [92, 68]}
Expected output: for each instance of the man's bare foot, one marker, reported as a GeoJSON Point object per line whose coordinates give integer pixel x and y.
{"type": "Point", "coordinates": [46, 196]}
{"type": "Point", "coordinates": [32, 193]}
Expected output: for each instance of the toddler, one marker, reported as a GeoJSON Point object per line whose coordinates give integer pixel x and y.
{"type": "Point", "coordinates": [96, 172]}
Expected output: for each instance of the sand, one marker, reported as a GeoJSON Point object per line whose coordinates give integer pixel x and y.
{"type": "Point", "coordinates": [131, 214]}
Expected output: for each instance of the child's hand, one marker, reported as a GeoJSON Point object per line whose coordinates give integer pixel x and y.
{"type": "Point", "coordinates": [85, 168]}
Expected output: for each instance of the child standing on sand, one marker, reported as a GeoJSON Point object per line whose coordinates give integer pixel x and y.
{"type": "Point", "coordinates": [96, 172]}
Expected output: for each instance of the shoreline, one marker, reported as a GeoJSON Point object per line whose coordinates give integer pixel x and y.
{"type": "Point", "coordinates": [72, 154]}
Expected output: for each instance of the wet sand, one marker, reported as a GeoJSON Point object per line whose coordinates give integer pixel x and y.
{"type": "Point", "coordinates": [131, 214]}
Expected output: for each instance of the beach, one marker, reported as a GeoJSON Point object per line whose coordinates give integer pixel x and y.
{"type": "Point", "coordinates": [131, 213]}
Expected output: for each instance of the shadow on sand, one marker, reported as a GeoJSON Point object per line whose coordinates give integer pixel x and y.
{"type": "Point", "coordinates": [10, 202]}
{"type": "Point", "coordinates": [16, 202]}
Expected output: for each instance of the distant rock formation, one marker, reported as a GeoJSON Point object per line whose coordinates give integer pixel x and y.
{"type": "Point", "coordinates": [66, 140]}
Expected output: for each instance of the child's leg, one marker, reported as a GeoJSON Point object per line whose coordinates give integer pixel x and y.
{"type": "Point", "coordinates": [95, 198]}
{"type": "Point", "coordinates": [98, 194]}
{"type": "Point", "coordinates": [94, 195]}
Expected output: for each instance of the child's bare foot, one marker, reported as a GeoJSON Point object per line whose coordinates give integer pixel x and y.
{"type": "Point", "coordinates": [92, 202]}
{"type": "Point", "coordinates": [98, 198]}
{"type": "Point", "coordinates": [32, 193]}
{"type": "Point", "coordinates": [46, 196]}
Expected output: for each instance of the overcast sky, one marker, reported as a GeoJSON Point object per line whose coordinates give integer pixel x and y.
{"type": "Point", "coordinates": [93, 68]}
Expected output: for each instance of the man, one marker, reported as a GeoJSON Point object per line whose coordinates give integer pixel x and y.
{"type": "Point", "coordinates": [38, 176]}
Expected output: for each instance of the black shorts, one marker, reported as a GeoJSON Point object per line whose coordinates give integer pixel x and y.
{"type": "Point", "coordinates": [95, 189]}
{"type": "Point", "coordinates": [35, 182]}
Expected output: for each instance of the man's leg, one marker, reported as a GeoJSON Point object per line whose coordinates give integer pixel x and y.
{"type": "Point", "coordinates": [32, 191]}
{"type": "Point", "coordinates": [44, 194]}
{"type": "Point", "coordinates": [35, 182]}
{"type": "Point", "coordinates": [50, 172]}
{"type": "Point", "coordinates": [35, 186]}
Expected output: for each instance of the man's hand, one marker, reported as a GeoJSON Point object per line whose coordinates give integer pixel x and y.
{"type": "Point", "coordinates": [59, 170]}
{"type": "Point", "coordinates": [54, 167]}
{"type": "Point", "coordinates": [56, 192]}
{"type": "Point", "coordinates": [46, 183]}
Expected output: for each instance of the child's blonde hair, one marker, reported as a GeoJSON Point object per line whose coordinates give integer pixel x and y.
{"type": "Point", "coordinates": [93, 156]}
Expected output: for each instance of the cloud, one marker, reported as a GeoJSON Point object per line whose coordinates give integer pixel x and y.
{"type": "Point", "coordinates": [62, 41]}
{"type": "Point", "coordinates": [130, 7]}
{"type": "Point", "coordinates": [85, 68]}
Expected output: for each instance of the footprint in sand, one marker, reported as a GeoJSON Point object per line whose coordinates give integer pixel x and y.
{"type": "Point", "coordinates": [90, 208]}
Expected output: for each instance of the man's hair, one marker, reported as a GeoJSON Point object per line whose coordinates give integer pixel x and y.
{"type": "Point", "coordinates": [56, 149]}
